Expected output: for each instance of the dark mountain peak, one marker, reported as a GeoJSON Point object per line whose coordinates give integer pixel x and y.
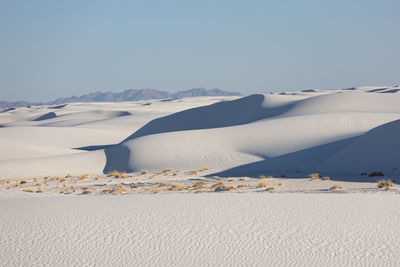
{"type": "Point", "coordinates": [127, 95]}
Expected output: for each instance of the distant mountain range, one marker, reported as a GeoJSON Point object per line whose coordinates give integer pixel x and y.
{"type": "Point", "coordinates": [127, 95]}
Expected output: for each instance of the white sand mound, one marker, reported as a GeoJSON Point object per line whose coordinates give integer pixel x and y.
{"type": "Point", "coordinates": [295, 132]}
{"type": "Point", "coordinates": [377, 150]}
{"type": "Point", "coordinates": [260, 133]}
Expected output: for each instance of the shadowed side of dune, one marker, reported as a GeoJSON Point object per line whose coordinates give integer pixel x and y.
{"type": "Point", "coordinates": [117, 158]}
{"type": "Point", "coordinates": [376, 150]}
{"type": "Point", "coordinates": [223, 114]}
{"type": "Point", "coordinates": [46, 116]}
{"type": "Point", "coordinates": [295, 164]}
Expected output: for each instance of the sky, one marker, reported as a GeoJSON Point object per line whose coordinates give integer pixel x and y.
{"type": "Point", "coordinates": [51, 49]}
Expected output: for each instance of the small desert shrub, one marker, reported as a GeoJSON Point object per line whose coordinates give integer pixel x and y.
{"type": "Point", "coordinates": [134, 186]}
{"type": "Point", "coordinates": [200, 184]}
{"type": "Point", "coordinates": [385, 184]}
{"type": "Point", "coordinates": [107, 190]}
{"type": "Point", "coordinates": [243, 179]}
{"type": "Point", "coordinates": [117, 174]}
{"type": "Point", "coordinates": [270, 188]}
{"type": "Point", "coordinates": [270, 177]}
{"type": "Point", "coordinates": [204, 169]}
{"type": "Point", "coordinates": [84, 176]}
{"type": "Point", "coordinates": [326, 178]}
{"type": "Point", "coordinates": [162, 184]}
{"type": "Point", "coordinates": [63, 180]}
{"type": "Point", "coordinates": [222, 187]}
{"type": "Point", "coordinates": [314, 176]}
{"type": "Point", "coordinates": [23, 181]}
{"type": "Point", "coordinates": [194, 172]}
{"type": "Point", "coordinates": [154, 190]}
{"type": "Point", "coordinates": [262, 177]}
{"type": "Point", "coordinates": [167, 170]}
{"type": "Point", "coordinates": [28, 190]}
{"type": "Point", "coordinates": [280, 183]}
{"type": "Point", "coordinates": [143, 172]}
{"type": "Point", "coordinates": [176, 187]}
{"type": "Point", "coordinates": [86, 192]}
{"type": "Point", "coordinates": [200, 191]}
{"type": "Point", "coordinates": [242, 186]}
{"type": "Point", "coordinates": [39, 190]}
{"type": "Point", "coordinates": [231, 179]}
{"type": "Point", "coordinates": [335, 186]}
{"type": "Point", "coordinates": [376, 173]}
{"type": "Point", "coordinates": [68, 175]}
{"type": "Point", "coordinates": [261, 185]}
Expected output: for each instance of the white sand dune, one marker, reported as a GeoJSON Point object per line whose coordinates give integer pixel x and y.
{"type": "Point", "coordinates": [160, 218]}
{"type": "Point", "coordinates": [264, 133]}
{"type": "Point", "coordinates": [295, 133]}
{"type": "Point", "coordinates": [220, 229]}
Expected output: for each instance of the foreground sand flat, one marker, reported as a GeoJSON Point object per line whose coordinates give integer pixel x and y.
{"type": "Point", "coordinates": [202, 229]}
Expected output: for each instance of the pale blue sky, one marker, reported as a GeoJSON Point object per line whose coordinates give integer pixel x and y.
{"type": "Point", "coordinates": [51, 49]}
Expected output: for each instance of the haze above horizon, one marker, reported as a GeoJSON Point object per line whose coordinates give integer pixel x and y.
{"type": "Point", "coordinates": [52, 49]}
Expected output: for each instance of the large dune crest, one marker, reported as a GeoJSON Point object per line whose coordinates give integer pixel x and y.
{"type": "Point", "coordinates": [293, 133]}
{"type": "Point", "coordinates": [338, 132]}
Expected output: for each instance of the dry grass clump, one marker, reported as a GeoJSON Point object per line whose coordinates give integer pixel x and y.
{"type": "Point", "coordinates": [194, 172]}
{"type": "Point", "coordinates": [325, 178]}
{"type": "Point", "coordinates": [243, 179]}
{"type": "Point", "coordinates": [270, 188]}
{"type": "Point", "coordinates": [335, 186]}
{"type": "Point", "coordinates": [262, 177]}
{"type": "Point", "coordinates": [162, 184]}
{"type": "Point", "coordinates": [117, 174]}
{"type": "Point", "coordinates": [23, 181]}
{"type": "Point", "coordinates": [39, 190]}
{"type": "Point", "coordinates": [231, 179]}
{"type": "Point", "coordinates": [242, 186]}
{"type": "Point", "coordinates": [84, 176]}
{"type": "Point", "coordinates": [376, 173]}
{"type": "Point", "coordinates": [68, 175]}
{"type": "Point", "coordinates": [119, 190]}
{"type": "Point", "coordinates": [28, 190]}
{"type": "Point", "coordinates": [154, 190]}
{"type": "Point", "coordinates": [166, 171]}
{"type": "Point", "coordinates": [200, 185]}
{"type": "Point", "coordinates": [63, 180]}
{"type": "Point", "coordinates": [200, 191]}
{"type": "Point", "coordinates": [314, 176]}
{"type": "Point", "coordinates": [86, 192]}
{"type": "Point", "coordinates": [142, 172]}
{"type": "Point", "coordinates": [385, 184]}
{"type": "Point", "coordinates": [280, 183]}
{"type": "Point", "coordinates": [261, 185]}
{"type": "Point", "coordinates": [176, 187]}
{"type": "Point", "coordinates": [270, 177]}
{"type": "Point", "coordinates": [204, 169]}
{"type": "Point", "coordinates": [222, 187]}
{"type": "Point", "coordinates": [107, 190]}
